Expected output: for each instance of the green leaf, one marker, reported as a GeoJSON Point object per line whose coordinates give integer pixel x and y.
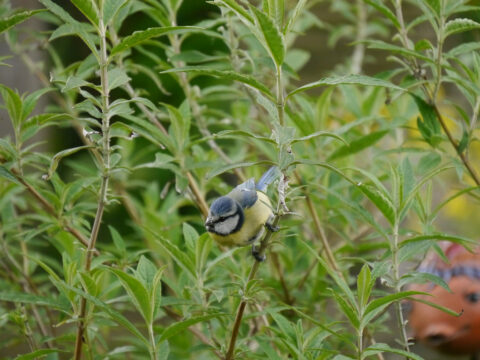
{"type": "Point", "coordinates": [60, 155]}
{"type": "Point", "coordinates": [428, 162]}
{"type": "Point", "coordinates": [137, 293]}
{"type": "Point", "coordinates": [377, 4]}
{"type": "Point", "coordinates": [179, 256]}
{"type": "Point", "coordinates": [235, 133]}
{"type": "Point", "coordinates": [18, 297]}
{"type": "Point", "coordinates": [381, 201]}
{"type": "Point", "coordinates": [284, 325]}
{"type": "Point", "coordinates": [224, 75]}
{"type": "Point", "coordinates": [78, 29]}
{"type": "Point", "coordinates": [459, 25]}
{"type": "Point", "coordinates": [423, 277]}
{"type": "Point", "coordinates": [347, 79]}
{"type": "Point", "coordinates": [190, 235]}
{"type": "Point", "coordinates": [180, 126]}
{"type": "Point", "coordinates": [462, 145]}
{"type": "Point", "coordinates": [347, 309]}
{"type": "Point", "coordinates": [13, 103]}
{"type": "Point", "coordinates": [388, 299]}
{"type": "Point", "coordinates": [180, 326]}
{"type": "Point", "coordinates": [37, 354]}
{"type": "Point", "coordinates": [146, 272]}
{"type": "Point", "coordinates": [292, 18]}
{"type": "Point", "coordinates": [74, 82]}
{"type": "Point", "coordinates": [139, 37]}
{"type": "Point", "coordinates": [117, 77]}
{"type": "Point", "coordinates": [16, 18]}
{"type": "Point", "coordinates": [364, 285]}
{"type": "Point", "coordinates": [89, 284]}
{"type": "Point", "coordinates": [156, 291]}
{"type": "Point", "coordinates": [272, 38]}
{"type": "Point", "coordinates": [382, 45]}
{"type": "Point", "coordinates": [58, 10]}
{"type": "Point", "coordinates": [114, 315]}
{"type": "Point", "coordinates": [117, 240]}
{"type": "Point", "coordinates": [437, 306]}
{"type": "Point", "coordinates": [464, 48]}
{"type": "Point", "coordinates": [89, 9]}
{"type": "Point", "coordinates": [202, 249]}
{"type": "Point", "coordinates": [338, 280]}
{"type": "Point", "coordinates": [5, 173]}
{"type": "Point", "coordinates": [379, 348]}
{"type": "Point", "coordinates": [243, 14]}
{"type": "Point", "coordinates": [225, 168]}
{"type": "Point", "coordinates": [110, 9]}
{"type": "Point", "coordinates": [320, 133]}
{"type": "Point", "coordinates": [434, 5]}
{"type": "Point", "coordinates": [438, 237]}
{"type": "Point", "coordinates": [358, 144]}
{"type": "Point", "coordinates": [30, 101]}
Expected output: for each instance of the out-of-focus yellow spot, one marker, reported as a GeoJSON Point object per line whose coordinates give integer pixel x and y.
{"type": "Point", "coordinates": [457, 208]}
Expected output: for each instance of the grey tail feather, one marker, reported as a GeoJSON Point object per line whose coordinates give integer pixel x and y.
{"type": "Point", "coordinates": [267, 178]}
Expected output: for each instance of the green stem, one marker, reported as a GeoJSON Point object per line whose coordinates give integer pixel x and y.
{"type": "Point", "coordinates": [280, 97]}
{"type": "Point", "coordinates": [241, 308]}
{"type": "Point", "coordinates": [153, 350]}
{"type": "Point", "coordinates": [396, 279]}
{"type": "Point", "coordinates": [82, 324]}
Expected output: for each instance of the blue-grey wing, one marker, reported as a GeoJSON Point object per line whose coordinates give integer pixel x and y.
{"type": "Point", "coordinates": [247, 185]}
{"type": "Point", "coordinates": [246, 198]}
{"type": "Point", "coordinates": [267, 178]}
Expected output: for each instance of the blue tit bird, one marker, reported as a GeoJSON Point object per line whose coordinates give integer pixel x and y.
{"type": "Point", "coordinates": [239, 218]}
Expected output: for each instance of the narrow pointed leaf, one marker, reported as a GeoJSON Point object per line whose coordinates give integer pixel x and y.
{"type": "Point", "coordinates": [347, 80]}
{"type": "Point", "coordinates": [137, 293]}
{"type": "Point", "coordinates": [272, 37]}
{"type": "Point", "coordinates": [143, 35]}
{"type": "Point", "coordinates": [60, 155]}
{"type": "Point", "coordinates": [17, 18]}
{"type": "Point", "coordinates": [180, 326]}
{"type": "Point", "coordinates": [225, 75]}
{"type": "Point", "coordinates": [89, 9]}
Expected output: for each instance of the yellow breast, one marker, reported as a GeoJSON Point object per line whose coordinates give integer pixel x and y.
{"type": "Point", "coordinates": [255, 218]}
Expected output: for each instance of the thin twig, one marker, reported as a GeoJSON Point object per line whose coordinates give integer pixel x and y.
{"type": "Point", "coordinates": [241, 307]}
{"type": "Point", "coordinates": [283, 283]}
{"type": "Point", "coordinates": [50, 209]}
{"type": "Point", "coordinates": [196, 110]}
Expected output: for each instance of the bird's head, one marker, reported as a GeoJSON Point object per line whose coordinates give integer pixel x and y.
{"type": "Point", "coordinates": [225, 216]}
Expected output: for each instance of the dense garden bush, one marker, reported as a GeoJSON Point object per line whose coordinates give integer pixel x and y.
{"type": "Point", "coordinates": [157, 107]}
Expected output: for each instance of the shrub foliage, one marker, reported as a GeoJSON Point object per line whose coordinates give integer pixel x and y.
{"type": "Point", "coordinates": [156, 107]}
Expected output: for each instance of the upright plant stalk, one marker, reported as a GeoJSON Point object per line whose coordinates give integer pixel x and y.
{"type": "Point", "coordinates": [359, 50]}
{"type": "Point", "coordinates": [243, 303]}
{"type": "Point", "coordinates": [266, 240]}
{"type": "Point", "coordinates": [82, 324]}
{"type": "Point", "coordinates": [432, 97]}
{"type": "Point", "coordinates": [396, 279]}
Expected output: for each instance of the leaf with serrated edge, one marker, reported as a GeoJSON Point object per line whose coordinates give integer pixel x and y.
{"type": "Point", "coordinates": [272, 37]}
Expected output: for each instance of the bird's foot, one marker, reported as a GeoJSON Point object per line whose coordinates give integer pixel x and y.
{"type": "Point", "coordinates": [256, 254]}
{"type": "Point", "coordinates": [272, 227]}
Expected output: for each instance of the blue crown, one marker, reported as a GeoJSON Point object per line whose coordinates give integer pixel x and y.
{"type": "Point", "coordinates": [222, 205]}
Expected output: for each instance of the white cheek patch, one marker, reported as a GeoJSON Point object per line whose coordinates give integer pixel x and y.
{"type": "Point", "coordinates": [227, 226]}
